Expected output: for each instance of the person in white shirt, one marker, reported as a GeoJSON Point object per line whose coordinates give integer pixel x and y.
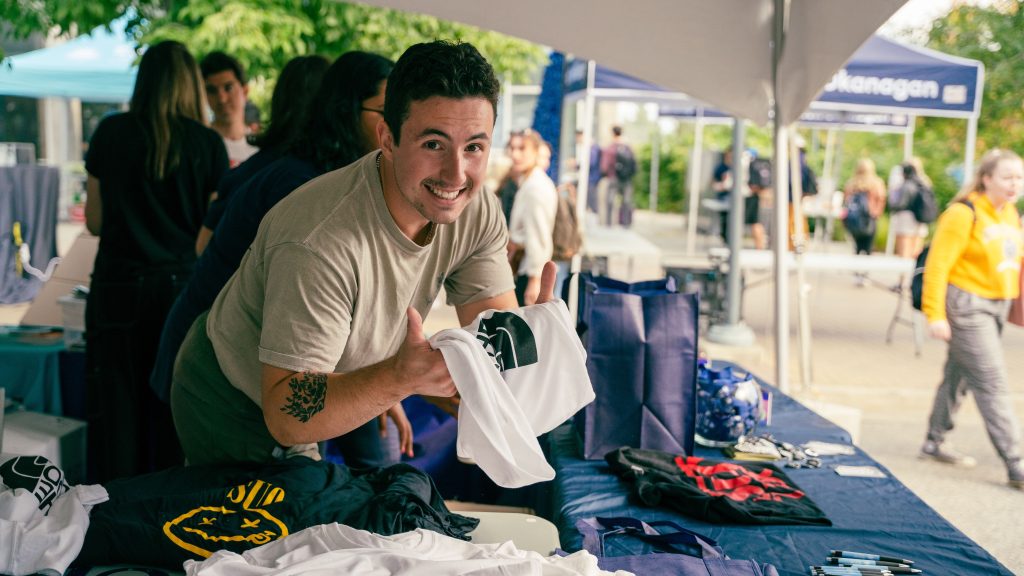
{"type": "Point", "coordinates": [532, 220]}
{"type": "Point", "coordinates": [227, 91]}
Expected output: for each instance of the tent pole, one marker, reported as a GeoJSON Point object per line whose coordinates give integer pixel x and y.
{"type": "Point", "coordinates": [694, 172]}
{"type": "Point", "coordinates": [969, 146]}
{"type": "Point", "coordinates": [733, 332]}
{"type": "Point", "coordinates": [655, 168]}
{"type": "Point", "coordinates": [582, 183]}
{"type": "Point", "coordinates": [736, 217]}
{"type": "Point", "coordinates": [908, 139]}
{"type": "Point", "coordinates": [781, 228]}
{"type": "Point", "coordinates": [799, 246]}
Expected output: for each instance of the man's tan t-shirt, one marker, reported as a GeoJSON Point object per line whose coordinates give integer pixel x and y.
{"type": "Point", "coordinates": [326, 283]}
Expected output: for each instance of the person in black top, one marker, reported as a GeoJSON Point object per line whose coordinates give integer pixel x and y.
{"type": "Point", "coordinates": [151, 173]}
{"type": "Point", "coordinates": [289, 108]}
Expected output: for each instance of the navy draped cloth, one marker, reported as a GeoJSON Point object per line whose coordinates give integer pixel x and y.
{"type": "Point", "coordinates": [878, 515]}
{"type": "Point", "coordinates": [28, 195]}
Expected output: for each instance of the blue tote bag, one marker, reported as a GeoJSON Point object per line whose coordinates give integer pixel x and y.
{"type": "Point", "coordinates": [641, 343]}
{"type": "Point", "coordinates": [676, 550]}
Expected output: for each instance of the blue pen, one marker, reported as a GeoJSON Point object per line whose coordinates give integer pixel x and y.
{"type": "Point", "coordinates": [852, 569]}
{"type": "Point", "coordinates": [866, 556]}
{"type": "Point", "coordinates": [835, 571]}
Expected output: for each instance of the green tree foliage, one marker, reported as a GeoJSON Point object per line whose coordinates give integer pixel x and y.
{"type": "Point", "coordinates": [265, 34]}
{"type": "Point", "coordinates": [992, 35]}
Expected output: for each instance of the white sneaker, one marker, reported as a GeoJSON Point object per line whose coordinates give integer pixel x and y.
{"type": "Point", "coordinates": [947, 455]}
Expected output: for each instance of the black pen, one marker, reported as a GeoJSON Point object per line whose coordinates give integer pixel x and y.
{"type": "Point", "coordinates": [860, 562]}
{"type": "Point", "coordinates": [866, 556]}
{"type": "Point", "coordinates": [877, 568]}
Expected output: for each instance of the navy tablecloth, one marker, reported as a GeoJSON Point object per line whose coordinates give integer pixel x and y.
{"type": "Point", "coordinates": [869, 515]}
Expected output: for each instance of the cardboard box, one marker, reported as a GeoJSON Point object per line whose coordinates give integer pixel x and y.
{"type": "Point", "coordinates": [61, 440]}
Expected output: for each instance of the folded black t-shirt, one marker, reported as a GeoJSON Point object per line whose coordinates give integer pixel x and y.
{"type": "Point", "coordinates": [715, 491]}
{"type": "Point", "coordinates": [165, 518]}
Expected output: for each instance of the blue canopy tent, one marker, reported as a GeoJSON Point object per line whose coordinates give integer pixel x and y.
{"type": "Point", "coordinates": [99, 67]}
{"type": "Point", "coordinates": [883, 87]}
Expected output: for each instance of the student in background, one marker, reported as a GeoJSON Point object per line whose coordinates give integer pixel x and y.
{"type": "Point", "coordinates": [290, 106]}
{"type": "Point", "coordinates": [618, 166]}
{"type": "Point", "coordinates": [532, 221]}
{"type": "Point", "coordinates": [152, 171]}
{"type": "Point", "coordinates": [227, 90]}
{"type": "Point", "coordinates": [971, 275]}
{"type": "Point", "coordinates": [864, 196]}
{"type": "Point", "coordinates": [907, 181]}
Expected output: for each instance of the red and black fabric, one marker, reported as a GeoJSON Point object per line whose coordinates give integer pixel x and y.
{"type": "Point", "coordinates": [715, 491]}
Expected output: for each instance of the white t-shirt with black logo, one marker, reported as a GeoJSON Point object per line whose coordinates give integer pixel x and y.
{"type": "Point", "coordinates": [42, 520]}
{"type": "Point", "coordinates": [520, 373]}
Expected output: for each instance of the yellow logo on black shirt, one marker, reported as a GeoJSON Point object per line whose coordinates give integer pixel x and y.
{"type": "Point", "coordinates": [242, 519]}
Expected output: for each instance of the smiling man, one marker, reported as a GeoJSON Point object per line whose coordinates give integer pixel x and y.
{"type": "Point", "coordinates": [320, 329]}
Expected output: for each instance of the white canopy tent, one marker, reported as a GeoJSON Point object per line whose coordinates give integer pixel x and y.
{"type": "Point", "coordinates": [756, 59]}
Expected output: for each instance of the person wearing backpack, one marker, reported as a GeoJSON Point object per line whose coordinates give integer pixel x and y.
{"type": "Point", "coordinates": [865, 200]}
{"type": "Point", "coordinates": [970, 277]}
{"type": "Point", "coordinates": [618, 166]}
{"type": "Point", "coordinates": [912, 206]}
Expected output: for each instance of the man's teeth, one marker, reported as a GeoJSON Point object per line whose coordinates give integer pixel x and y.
{"type": "Point", "coordinates": [445, 195]}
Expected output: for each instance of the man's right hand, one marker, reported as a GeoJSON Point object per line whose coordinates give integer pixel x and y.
{"type": "Point", "coordinates": [419, 364]}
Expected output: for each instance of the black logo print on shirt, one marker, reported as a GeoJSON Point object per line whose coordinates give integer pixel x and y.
{"type": "Point", "coordinates": [508, 340]}
{"type": "Point", "coordinates": [37, 475]}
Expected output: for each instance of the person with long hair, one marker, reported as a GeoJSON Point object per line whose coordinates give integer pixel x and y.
{"type": "Point", "coordinates": [340, 129]}
{"type": "Point", "coordinates": [290, 106]}
{"type": "Point", "coordinates": [532, 220]}
{"type": "Point", "coordinates": [971, 274]}
{"type": "Point", "coordinates": [151, 172]}
{"type": "Point", "coordinates": [865, 201]}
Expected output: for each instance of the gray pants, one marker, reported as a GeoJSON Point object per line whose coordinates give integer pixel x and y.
{"type": "Point", "coordinates": [975, 363]}
{"type": "Point", "coordinates": [624, 189]}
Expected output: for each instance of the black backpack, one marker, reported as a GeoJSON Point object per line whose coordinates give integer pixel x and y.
{"type": "Point", "coordinates": [917, 280]}
{"type": "Point", "coordinates": [625, 163]}
{"type": "Point", "coordinates": [760, 173]}
{"type": "Point", "coordinates": [923, 205]}
{"type": "Point", "coordinates": [858, 219]}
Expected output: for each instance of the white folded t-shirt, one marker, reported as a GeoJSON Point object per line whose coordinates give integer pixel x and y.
{"type": "Point", "coordinates": [520, 373]}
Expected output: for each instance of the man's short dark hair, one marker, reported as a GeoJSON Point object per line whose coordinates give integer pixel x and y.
{"type": "Point", "coordinates": [218, 61]}
{"type": "Point", "coordinates": [617, 130]}
{"type": "Point", "coordinates": [439, 68]}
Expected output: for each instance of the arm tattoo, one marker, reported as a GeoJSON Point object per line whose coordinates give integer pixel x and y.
{"type": "Point", "coordinates": [308, 393]}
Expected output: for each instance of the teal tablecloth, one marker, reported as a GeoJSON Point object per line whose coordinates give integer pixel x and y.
{"type": "Point", "coordinates": [30, 370]}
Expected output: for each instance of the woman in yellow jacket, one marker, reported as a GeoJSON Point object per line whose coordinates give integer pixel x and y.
{"type": "Point", "coordinates": [971, 275]}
